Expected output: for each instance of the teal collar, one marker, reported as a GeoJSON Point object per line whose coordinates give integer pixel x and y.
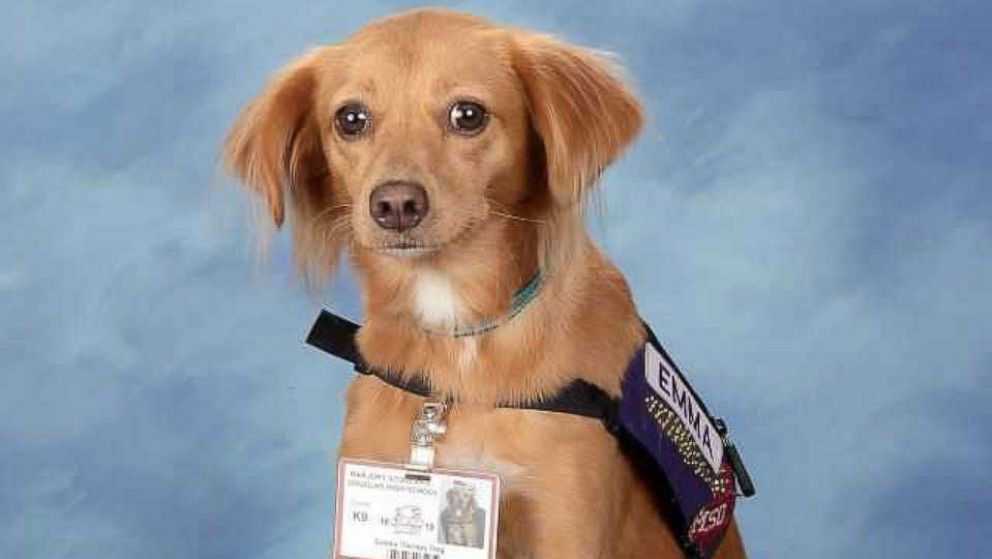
{"type": "Point", "coordinates": [521, 299]}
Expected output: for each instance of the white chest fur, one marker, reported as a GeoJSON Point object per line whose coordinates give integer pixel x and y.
{"type": "Point", "coordinates": [439, 307]}
{"type": "Point", "coordinates": [435, 300]}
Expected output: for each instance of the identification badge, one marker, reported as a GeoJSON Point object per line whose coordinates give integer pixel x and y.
{"type": "Point", "coordinates": [386, 511]}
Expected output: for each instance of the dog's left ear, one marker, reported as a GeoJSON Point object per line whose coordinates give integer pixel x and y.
{"type": "Point", "coordinates": [584, 114]}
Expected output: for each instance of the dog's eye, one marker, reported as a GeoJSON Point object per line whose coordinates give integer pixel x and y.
{"type": "Point", "coordinates": [352, 120]}
{"type": "Point", "coordinates": [467, 118]}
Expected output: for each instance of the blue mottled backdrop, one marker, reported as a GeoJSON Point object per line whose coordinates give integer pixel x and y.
{"type": "Point", "coordinates": [806, 222]}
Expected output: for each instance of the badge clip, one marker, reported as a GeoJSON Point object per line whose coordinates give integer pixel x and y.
{"type": "Point", "coordinates": [429, 427]}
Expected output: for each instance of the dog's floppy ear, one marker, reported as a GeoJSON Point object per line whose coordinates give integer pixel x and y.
{"type": "Point", "coordinates": [584, 114]}
{"type": "Point", "coordinates": [274, 146]}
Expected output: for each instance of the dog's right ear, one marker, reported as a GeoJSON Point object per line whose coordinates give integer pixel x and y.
{"type": "Point", "coordinates": [274, 146]}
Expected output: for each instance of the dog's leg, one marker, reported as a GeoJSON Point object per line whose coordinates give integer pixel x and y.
{"type": "Point", "coordinates": [573, 511]}
{"type": "Point", "coordinates": [546, 526]}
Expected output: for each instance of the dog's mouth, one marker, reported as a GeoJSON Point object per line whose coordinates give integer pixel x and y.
{"type": "Point", "coordinates": [407, 249]}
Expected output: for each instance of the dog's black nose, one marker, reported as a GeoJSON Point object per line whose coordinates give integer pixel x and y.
{"type": "Point", "coordinates": [398, 205]}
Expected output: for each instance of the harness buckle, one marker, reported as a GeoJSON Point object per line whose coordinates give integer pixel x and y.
{"type": "Point", "coordinates": [736, 462]}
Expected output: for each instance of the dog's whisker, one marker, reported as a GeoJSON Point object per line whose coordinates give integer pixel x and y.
{"type": "Point", "coordinates": [330, 209]}
{"type": "Point", "coordinates": [517, 217]}
{"type": "Point", "coordinates": [501, 210]}
{"type": "Point", "coordinates": [341, 225]}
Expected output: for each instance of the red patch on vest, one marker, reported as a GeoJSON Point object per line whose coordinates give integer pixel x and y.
{"type": "Point", "coordinates": [710, 524]}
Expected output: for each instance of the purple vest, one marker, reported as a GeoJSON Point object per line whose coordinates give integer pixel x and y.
{"type": "Point", "coordinates": [682, 449]}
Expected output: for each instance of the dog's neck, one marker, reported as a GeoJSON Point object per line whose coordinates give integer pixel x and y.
{"type": "Point", "coordinates": [584, 305]}
{"type": "Point", "coordinates": [458, 286]}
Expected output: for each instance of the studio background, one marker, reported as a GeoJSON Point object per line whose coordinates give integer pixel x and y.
{"type": "Point", "coordinates": [805, 222]}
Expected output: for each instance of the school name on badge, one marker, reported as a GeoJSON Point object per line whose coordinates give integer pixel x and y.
{"type": "Point", "coordinates": [386, 511]}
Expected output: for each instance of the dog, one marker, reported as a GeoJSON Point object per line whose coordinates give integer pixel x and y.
{"type": "Point", "coordinates": [450, 158]}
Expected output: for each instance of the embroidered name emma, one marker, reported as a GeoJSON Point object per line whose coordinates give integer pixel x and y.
{"type": "Point", "coordinates": [670, 386]}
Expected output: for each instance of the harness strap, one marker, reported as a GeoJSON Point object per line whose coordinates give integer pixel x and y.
{"type": "Point", "coordinates": [336, 335]}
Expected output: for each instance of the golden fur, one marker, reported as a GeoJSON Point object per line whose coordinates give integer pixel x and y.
{"type": "Point", "coordinates": [503, 204]}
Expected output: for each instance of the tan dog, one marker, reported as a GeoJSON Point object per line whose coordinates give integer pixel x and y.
{"type": "Point", "coordinates": [450, 158]}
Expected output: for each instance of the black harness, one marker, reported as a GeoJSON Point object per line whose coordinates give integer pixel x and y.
{"type": "Point", "coordinates": [336, 335]}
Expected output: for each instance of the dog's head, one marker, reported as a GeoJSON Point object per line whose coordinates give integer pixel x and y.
{"type": "Point", "coordinates": [429, 130]}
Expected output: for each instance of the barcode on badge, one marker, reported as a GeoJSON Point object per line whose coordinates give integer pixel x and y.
{"type": "Point", "coordinates": [407, 554]}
